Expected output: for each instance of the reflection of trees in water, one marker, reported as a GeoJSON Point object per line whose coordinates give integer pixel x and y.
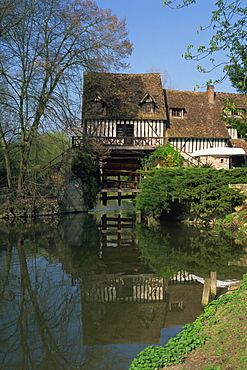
{"type": "Point", "coordinates": [41, 272]}
{"type": "Point", "coordinates": [72, 239]}
{"type": "Point", "coordinates": [41, 309]}
{"type": "Point", "coordinates": [168, 249]}
{"type": "Point", "coordinates": [38, 314]}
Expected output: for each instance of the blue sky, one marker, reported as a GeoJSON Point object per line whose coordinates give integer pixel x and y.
{"type": "Point", "coordinates": [160, 36]}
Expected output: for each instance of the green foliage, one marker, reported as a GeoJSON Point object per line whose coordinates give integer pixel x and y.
{"type": "Point", "coordinates": [192, 192]}
{"type": "Point", "coordinates": [237, 70]}
{"type": "Point", "coordinates": [173, 352]}
{"type": "Point", "coordinates": [168, 249]}
{"type": "Point", "coordinates": [163, 156]}
{"type": "Point", "coordinates": [46, 165]}
{"type": "Point", "coordinates": [86, 167]}
{"type": "Point", "coordinates": [211, 367]}
{"type": "Point", "coordinates": [236, 118]}
{"type": "Point", "coordinates": [47, 149]}
{"type": "Point", "coordinates": [229, 33]}
{"type": "Point", "coordinates": [190, 338]}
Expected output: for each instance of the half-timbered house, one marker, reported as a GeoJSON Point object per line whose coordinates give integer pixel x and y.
{"type": "Point", "coordinates": [133, 111]}
{"type": "Point", "coordinates": [195, 127]}
{"type": "Point", "coordinates": [126, 114]}
{"type": "Point", "coordinates": [131, 115]}
{"type": "Point", "coordinates": [124, 110]}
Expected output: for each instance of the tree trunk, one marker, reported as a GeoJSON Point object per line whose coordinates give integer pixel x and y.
{"type": "Point", "coordinates": [6, 159]}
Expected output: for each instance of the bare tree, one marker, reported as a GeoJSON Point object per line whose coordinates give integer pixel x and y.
{"type": "Point", "coordinates": [167, 81]}
{"type": "Point", "coordinates": [43, 54]}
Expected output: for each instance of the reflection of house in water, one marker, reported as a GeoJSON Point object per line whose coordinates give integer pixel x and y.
{"type": "Point", "coordinates": [123, 301]}
{"type": "Point", "coordinates": [123, 309]}
{"type": "Point", "coordinates": [184, 303]}
{"type": "Point", "coordinates": [134, 308]}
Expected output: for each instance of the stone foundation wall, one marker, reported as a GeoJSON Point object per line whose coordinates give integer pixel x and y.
{"type": "Point", "coordinates": [217, 162]}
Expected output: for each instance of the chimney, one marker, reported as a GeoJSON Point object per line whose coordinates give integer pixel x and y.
{"type": "Point", "coordinates": [210, 93]}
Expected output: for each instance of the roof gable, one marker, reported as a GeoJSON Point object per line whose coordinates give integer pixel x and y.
{"type": "Point", "coordinates": [148, 98]}
{"type": "Point", "coordinates": [123, 94]}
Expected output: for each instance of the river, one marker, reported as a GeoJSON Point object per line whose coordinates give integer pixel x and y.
{"type": "Point", "coordinates": [90, 291]}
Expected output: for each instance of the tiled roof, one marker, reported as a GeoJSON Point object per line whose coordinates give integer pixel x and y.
{"type": "Point", "coordinates": [202, 116]}
{"type": "Point", "coordinates": [239, 143]}
{"type": "Point", "coordinates": [122, 95]}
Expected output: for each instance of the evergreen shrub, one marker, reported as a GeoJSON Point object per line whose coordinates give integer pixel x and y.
{"type": "Point", "coordinates": [195, 192]}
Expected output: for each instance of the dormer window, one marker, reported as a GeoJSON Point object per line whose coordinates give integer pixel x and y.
{"type": "Point", "coordinates": [148, 108]}
{"type": "Point", "coordinates": [234, 112]}
{"type": "Point", "coordinates": [148, 104]}
{"type": "Point", "coordinates": [98, 106]}
{"type": "Point", "coordinates": [177, 112]}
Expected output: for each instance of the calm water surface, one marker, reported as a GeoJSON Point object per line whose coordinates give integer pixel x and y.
{"type": "Point", "coordinates": [90, 291]}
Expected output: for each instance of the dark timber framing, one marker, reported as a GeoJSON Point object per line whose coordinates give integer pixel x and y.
{"type": "Point", "coordinates": [130, 116]}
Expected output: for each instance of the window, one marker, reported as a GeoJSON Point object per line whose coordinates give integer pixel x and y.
{"type": "Point", "coordinates": [120, 130]}
{"type": "Point", "coordinates": [148, 107]}
{"type": "Point", "coordinates": [98, 106]}
{"type": "Point", "coordinates": [148, 104]}
{"type": "Point", "coordinates": [177, 112]}
{"type": "Point", "coordinates": [176, 306]}
{"type": "Point", "coordinates": [126, 131]}
{"type": "Point", "coordinates": [233, 133]}
{"type": "Point", "coordinates": [238, 112]}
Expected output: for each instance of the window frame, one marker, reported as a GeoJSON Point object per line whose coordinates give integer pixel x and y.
{"type": "Point", "coordinates": [147, 104]}
{"type": "Point", "coordinates": [177, 110]}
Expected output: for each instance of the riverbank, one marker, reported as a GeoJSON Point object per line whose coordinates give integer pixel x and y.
{"type": "Point", "coordinates": [226, 347]}
{"type": "Point", "coordinates": [13, 206]}
{"type": "Point", "coordinates": [70, 199]}
{"type": "Point", "coordinates": [224, 325]}
{"type": "Point", "coordinates": [216, 340]}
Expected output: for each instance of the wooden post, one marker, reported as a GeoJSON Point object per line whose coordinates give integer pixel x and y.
{"type": "Point", "coordinates": [119, 198]}
{"type": "Point", "coordinates": [104, 198]}
{"type": "Point", "coordinates": [213, 278]}
{"type": "Point", "coordinates": [104, 221]}
{"type": "Point", "coordinates": [138, 216]}
{"type": "Point", "coordinates": [119, 222]}
{"type": "Point", "coordinates": [206, 292]}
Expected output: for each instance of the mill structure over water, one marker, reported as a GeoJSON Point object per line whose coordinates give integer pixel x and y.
{"type": "Point", "coordinates": [130, 115]}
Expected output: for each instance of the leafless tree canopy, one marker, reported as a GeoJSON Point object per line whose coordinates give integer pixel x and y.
{"type": "Point", "coordinates": [44, 47]}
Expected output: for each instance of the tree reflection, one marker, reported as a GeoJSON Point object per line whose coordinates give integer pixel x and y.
{"type": "Point", "coordinates": [53, 278]}
{"type": "Point", "coordinates": [41, 310]}
{"type": "Point", "coordinates": [194, 250]}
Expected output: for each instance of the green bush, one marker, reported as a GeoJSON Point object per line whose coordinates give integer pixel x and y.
{"type": "Point", "coordinates": [164, 156]}
{"type": "Point", "coordinates": [86, 166]}
{"type": "Point", "coordinates": [195, 192]}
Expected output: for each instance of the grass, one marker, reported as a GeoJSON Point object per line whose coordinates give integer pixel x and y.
{"type": "Point", "coordinates": [217, 340]}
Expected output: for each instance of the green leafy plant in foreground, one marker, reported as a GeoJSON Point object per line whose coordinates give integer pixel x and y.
{"type": "Point", "coordinates": [174, 352]}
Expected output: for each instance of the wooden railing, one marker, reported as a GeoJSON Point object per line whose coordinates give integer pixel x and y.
{"type": "Point", "coordinates": [77, 141]}
{"type": "Point", "coordinates": [128, 288]}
